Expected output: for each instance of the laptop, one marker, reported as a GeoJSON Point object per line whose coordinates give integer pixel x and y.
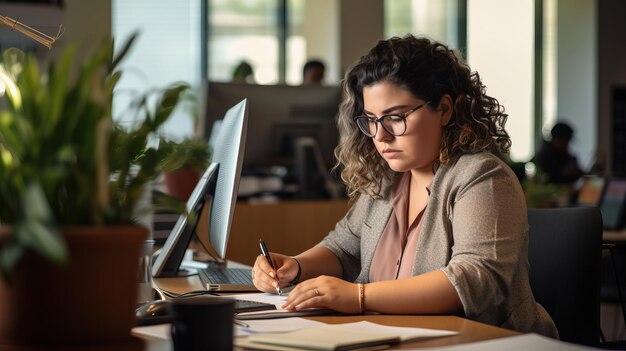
{"type": "Point", "coordinates": [227, 279]}
{"type": "Point", "coordinates": [613, 204]}
{"type": "Point", "coordinates": [219, 184]}
{"type": "Point", "coordinates": [590, 192]}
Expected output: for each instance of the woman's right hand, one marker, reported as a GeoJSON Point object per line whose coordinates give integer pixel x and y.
{"type": "Point", "coordinates": [264, 277]}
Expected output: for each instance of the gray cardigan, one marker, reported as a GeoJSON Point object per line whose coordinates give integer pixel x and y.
{"type": "Point", "coordinates": [475, 229]}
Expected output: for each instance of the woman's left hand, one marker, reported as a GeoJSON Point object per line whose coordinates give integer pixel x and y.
{"type": "Point", "coordinates": [324, 292]}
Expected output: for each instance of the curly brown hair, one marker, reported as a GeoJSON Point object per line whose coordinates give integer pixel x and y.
{"type": "Point", "coordinates": [429, 70]}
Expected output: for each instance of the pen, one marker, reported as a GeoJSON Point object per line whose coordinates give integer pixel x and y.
{"type": "Point", "coordinates": [266, 254]}
{"type": "Point", "coordinates": [240, 323]}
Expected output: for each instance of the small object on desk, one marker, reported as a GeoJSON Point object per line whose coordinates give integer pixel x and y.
{"type": "Point", "coordinates": [202, 323]}
{"type": "Point", "coordinates": [266, 254]}
{"type": "Point", "coordinates": [241, 324]}
{"type": "Point", "coordinates": [160, 311]}
{"type": "Point", "coordinates": [155, 312]}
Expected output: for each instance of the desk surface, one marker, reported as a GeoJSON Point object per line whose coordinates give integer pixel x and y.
{"type": "Point", "coordinates": [614, 235]}
{"type": "Point", "coordinates": [469, 331]}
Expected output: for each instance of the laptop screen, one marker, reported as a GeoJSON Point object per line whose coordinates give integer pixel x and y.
{"type": "Point", "coordinates": [591, 191]}
{"type": "Point", "coordinates": [612, 205]}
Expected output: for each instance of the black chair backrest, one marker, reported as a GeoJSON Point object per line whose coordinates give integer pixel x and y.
{"type": "Point", "coordinates": [564, 254]}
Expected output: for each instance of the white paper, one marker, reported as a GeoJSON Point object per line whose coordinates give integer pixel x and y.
{"type": "Point", "coordinates": [158, 331]}
{"type": "Point", "coordinates": [276, 300]}
{"type": "Point", "coordinates": [280, 325]}
{"type": "Point", "coordinates": [523, 342]}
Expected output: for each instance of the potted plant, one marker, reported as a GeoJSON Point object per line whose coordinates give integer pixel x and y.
{"type": "Point", "coordinates": [184, 164]}
{"type": "Point", "coordinates": [188, 157]}
{"type": "Point", "coordinates": [70, 184]}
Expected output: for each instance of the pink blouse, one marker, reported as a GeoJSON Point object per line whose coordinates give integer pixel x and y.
{"type": "Point", "coordinates": [396, 249]}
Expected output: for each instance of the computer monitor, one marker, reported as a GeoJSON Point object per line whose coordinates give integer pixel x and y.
{"type": "Point", "coordinates": [279, 114]}
{"type": "Point", "coordinates": [613, 204]}
{"type": "Point", "coordinates": [221, 182]}
{"type": "Point", "coordinates": [591, 191]}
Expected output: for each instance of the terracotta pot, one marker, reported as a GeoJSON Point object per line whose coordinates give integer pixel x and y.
{"type": "Point", "coordinates": [181, 183]}
{"type": "Point", "coordinates": [87, 303]}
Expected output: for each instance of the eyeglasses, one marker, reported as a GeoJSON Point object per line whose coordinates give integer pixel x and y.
{"type": "Point", "coordinates": [394, 123]}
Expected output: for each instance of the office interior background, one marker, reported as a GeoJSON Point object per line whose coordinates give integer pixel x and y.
{"type": "Point", "coordinates": [543, 59]}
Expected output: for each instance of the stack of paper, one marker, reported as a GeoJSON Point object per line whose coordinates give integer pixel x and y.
{"type": "Point", "coordinates": [322, 339]}
{"type": "Point", "coordinates": [338, 337]}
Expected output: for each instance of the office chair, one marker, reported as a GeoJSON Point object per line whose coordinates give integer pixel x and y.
{"type": "Point", "coordinates": [564, 252]}
{"type": "Point", "coordinates": [613, 286]}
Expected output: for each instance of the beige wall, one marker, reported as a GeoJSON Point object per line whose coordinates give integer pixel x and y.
{"type": "Point", "coordinates": [87, 23]}
{"type": "Point", "coordinates": [361, 25]}
{"type": "Point", "coordinates": [320, 30]}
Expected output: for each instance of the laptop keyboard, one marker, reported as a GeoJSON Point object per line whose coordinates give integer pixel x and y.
{"type": "Point", "coordinates": [234, 276]}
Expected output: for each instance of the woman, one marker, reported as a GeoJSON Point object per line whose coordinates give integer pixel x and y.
{"type": "Point", "coordinates": [439, 223]}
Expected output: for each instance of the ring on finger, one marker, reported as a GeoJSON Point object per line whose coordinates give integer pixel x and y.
{"type": "Point", "coordinates": [317, 292]}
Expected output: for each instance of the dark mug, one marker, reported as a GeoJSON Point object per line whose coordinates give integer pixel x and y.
{"type": "Point", "coordinates": [202, 323]}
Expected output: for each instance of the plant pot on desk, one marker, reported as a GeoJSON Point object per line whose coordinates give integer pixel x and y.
{"type": "Point", "coordinates": [180, 183]}
{"type": "Point", "coordinates": [88, 303]}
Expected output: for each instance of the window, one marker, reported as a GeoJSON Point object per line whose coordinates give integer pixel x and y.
{"type": "Point", "coordinates": [253, 32]}
{"type": "Point", "coordinates": [276, 37]}
{"type": "Point", "coordinates": [165, 52]}
{"type": "Point", "coordinates": [440, 20]}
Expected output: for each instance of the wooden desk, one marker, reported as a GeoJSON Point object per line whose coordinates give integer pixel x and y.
{"type": "Point", "coordinates": [294, 226]}
{"type": "Point", "coordinates": [615, 236]}
{"type": "Point", "coordinates": [469, 331]}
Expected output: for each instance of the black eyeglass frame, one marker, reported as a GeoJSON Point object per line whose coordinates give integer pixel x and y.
{"type": "Point", "coordinates": [380, 120]}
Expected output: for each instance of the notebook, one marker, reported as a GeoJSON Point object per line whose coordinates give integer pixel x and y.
{"type": "Point", "coordinates": [325, 338]}
{"type": "Point", "coordinates": [345, 336]}
{"type": "Point", "coordinates": [278, 312]}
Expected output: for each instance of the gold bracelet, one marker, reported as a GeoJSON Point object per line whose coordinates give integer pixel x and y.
{"type": "Point", "coordinates": [361, 298]}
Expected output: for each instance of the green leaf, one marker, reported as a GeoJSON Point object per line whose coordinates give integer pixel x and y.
{"type": "Point", "coordinates": [59, 78]}
{"type": "Point", "coordinates": [124, 50]}
{"type": "Point", "coordinates": [42, 238]}
{"type": "Point", "coordinates": [10, 254]}
{"type": "Point", "coordinates": [169, 100]}
{"type": "Point", "coordinates": [35, 204]}
{"type": "Point", "coordinates": [164, 201]}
